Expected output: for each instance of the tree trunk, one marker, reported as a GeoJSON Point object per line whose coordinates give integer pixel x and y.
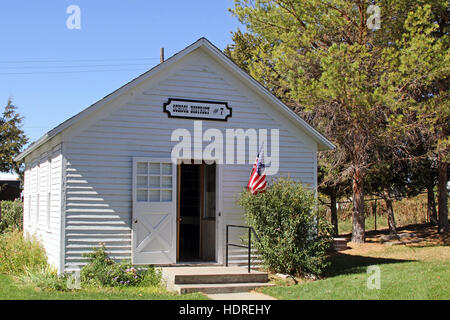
{"type": "Point", "coordinates": [374, 213]}
{"type": "Point", "coordinates": [390, 211]}
{"type": "Point", "coordinates": [431, 205]}
{"type": "Point", "coordinates": [358, 219]}
{"type": "Point", "coordinates": [334, 218]}
{"type": "Point", "coordinates": [442, 196]}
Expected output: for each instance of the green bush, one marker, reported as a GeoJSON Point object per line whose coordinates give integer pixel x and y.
{"type": "Point", "coordinates": [19, 253]}
{"type": "Point", "coordinates": [46, 278]}
{"type": "Point", "coordinates": [293, 236]}
{"type": "Point", "coordinates": [102, 271]}
{"type": "Point", "coordinates": [11, 215]}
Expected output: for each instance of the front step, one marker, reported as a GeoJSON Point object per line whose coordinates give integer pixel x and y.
{"type": "Point", "coordinates": [220, 278]}
{"type": "Point", "coordinates": [219, 287]}
{"type": "Point", "coordinates": [215, 279]}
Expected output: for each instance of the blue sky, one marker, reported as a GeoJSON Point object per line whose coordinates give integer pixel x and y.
{"type": "Point", "coordinates": [40, 58]}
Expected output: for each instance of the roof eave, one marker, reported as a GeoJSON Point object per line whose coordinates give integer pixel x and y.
{"type": "Point", "coordinates": [33, 147]}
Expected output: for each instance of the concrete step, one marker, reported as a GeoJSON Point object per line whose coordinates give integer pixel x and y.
{"type": "Point", "coordinates": [241, 296]}
{"type": "Point", "coordinates": [213, 279]}
{"type": "Point", "coordinates": [211, 275]}
{"type": "Point", "coordinates": [219, 288]}
{"type": "Point", "coordinates": [339, 244]}
{"type": "Point", "coordinates": [220, 278]}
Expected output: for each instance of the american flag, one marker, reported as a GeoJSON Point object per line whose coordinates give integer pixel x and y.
{"type": "Point", "coordinates": [257, 182]}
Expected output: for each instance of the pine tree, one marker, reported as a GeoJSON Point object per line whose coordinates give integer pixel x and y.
{"type": "Point", "coordinates": [323, 60]}
{"type": "Point", "coordinates": [417, 87]}
{"type": "Point", "coordinates": [12, 138]}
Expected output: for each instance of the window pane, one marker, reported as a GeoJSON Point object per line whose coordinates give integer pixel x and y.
{"type": "Point", "coordinates": [142, 181]}
{"type": "Point", "coordinates": [141, 195]}
{"type": "Point", "coordinates": [154, 182]}
{"type": "Point", "coordinates": [142, 168]}
{"type": "Point", "coordinates": [166, 168]}
{"type": "Point", "coordinates": [154, 195]}
{"type": "Point", "coordinates": [166, 195]}
{"type": "Point", "coordinates": [154, 168]}
{"type": "Point", "coordinates": [167, 182]}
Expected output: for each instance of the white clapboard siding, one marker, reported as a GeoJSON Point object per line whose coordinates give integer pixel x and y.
{"type": "Point", "coordinates": [43, 181]}
{"type": "Point", "coordinates": [98, 155]}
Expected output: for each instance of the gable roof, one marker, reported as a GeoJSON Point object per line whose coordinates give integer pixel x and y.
{"type": "Point", "coordinates": [323, 143]}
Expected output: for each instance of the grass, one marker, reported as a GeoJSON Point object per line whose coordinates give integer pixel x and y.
{"type": "Point", "coordinates": [407, 211]}
{"type": "Point", "coordinates": [12, 290]}
{"type": "Point", "coordinates": [345, 226]}
{"type": "Point", "coordinates": [405, 273]}
{"type": "Point", "coordinates": [24, 274]}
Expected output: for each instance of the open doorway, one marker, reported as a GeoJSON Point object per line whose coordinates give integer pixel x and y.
{"type": "Point", "coordinates": [197, 212]}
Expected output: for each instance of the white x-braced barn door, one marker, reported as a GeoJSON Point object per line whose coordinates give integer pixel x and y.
{"type": "Point", "coordinates": [154, 211]}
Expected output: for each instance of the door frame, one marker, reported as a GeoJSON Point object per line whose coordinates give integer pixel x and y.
{"type": "Point", "coordinates": [220, 229]}
{"type": "Point", "coordinates": [219, 222]}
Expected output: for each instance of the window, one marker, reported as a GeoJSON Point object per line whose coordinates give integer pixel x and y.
{"type": "Point", "coordinates": [37, 210]}
{"type": "Point", "coordinates": [37, 194]}
{"type": "Point", "coordinates": [29, 207]}
{"type": "Point", "coordinates": [28, 193]}
{"type": "Point", "coordinates": [49, 190]}
{"type": "Point", "coordinates": [153, 182]}
{"type": "Point", "coordinates": [49, 203]}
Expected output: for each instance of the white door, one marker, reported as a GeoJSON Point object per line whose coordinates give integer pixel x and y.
{"type": "Point", "coordinates": [154, 211]}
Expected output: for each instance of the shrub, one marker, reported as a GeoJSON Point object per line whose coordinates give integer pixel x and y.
{"type": "Point", "coordinates": [102, 271]}
{"type": "Point", "coordinates": [151, 277]}
{"type": "Point", "coordinates": [19, 253]}
{"type": "Point", "coordinates": [46, 278]}
{"type": "Point", "coordinates": [293, 236]}
{"type": "Point", "coordinates": [11, 215]}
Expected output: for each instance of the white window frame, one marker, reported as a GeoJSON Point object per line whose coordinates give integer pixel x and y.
{"type": "Point", "coordinates": [29, 207]}
{"type": "Point", "coordinates": [37, 193]}
{"type": "Point", "coordinates": [161, 189]}
{"type": "Point", "coordinates": [49, 190]}
{"type": "Point", "coordinates": [27, 192]}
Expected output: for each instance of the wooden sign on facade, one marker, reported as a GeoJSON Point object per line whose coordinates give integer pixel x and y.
{"type": "Point", "coordinates": [197, 109]}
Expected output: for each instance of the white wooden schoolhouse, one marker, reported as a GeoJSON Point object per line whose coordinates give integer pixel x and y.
{"type": "Point", "coordinates": [112, 174]}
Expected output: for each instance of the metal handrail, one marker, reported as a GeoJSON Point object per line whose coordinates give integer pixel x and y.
{"type": "Point", "coordinates": [249, 246]}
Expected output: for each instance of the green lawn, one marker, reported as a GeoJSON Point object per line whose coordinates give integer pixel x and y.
{"type": "Point", "coordinates": [11, 290]}
{"type": "Point", "coordinates": [406, 273]}
{"type": "Point", "coordinates": [345, 226]}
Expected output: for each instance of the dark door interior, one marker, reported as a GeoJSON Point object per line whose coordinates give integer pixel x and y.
{"type": "Point", "coordinates": [196, 238]}
{"type": "Point", "coordinates": [189, 220]}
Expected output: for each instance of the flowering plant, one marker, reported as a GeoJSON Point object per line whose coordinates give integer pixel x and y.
{"type": "Point", "coordinates": [102, 271]}
{"type": "Point", "coordinates": [127, 275]}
